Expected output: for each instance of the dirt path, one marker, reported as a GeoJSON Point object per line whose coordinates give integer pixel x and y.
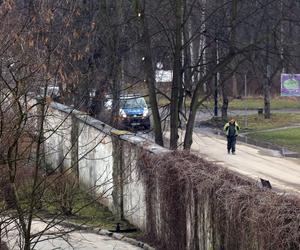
{"type": "Point", "coordinates": [254, 162]}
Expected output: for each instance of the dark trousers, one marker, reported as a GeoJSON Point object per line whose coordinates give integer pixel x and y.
{"type": "Point", "coordinates": [231, 141]}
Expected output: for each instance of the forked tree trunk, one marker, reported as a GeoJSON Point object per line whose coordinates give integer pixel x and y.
{"type": "Point", "coordinates": [176, 84]}
{"type": "Point", "coordinates": [150, 80]}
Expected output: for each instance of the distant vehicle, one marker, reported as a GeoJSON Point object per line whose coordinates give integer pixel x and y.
{"type": "Point", "coordinates": [133, 112]}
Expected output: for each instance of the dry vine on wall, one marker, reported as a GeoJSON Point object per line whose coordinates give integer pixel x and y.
{"type": "Point", "coordinates": [194, 204]}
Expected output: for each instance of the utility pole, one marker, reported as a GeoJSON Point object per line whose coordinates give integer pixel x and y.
{"type": "Point", "coordinates": [246, 104]}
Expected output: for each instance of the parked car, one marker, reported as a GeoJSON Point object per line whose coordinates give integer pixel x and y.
{"type": "Point", "coordinates": [133, 113]}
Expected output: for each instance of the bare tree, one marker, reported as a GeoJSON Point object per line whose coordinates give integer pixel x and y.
{"type": "Point", "coordinates": [30, 61]}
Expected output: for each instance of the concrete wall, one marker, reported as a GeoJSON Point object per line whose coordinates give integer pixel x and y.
{"type": "Point", "coordinates": [177, 215]}
{"type": "Point", "coordinates": [81, 143]}
{"type": "Point", "coordinates": [77, 142]}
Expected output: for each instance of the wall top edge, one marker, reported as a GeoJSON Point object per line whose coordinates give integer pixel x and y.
{"type": "Point", "coordinates": [132, 138]}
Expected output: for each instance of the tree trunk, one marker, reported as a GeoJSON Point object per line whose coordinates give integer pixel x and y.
{"type": "Point", "coordinates": [176, 84]}
{"type": "Point", "coordinates": [188, 139]}
{"type": "Point", "coordinates": [150, 80]}
{"type": "Point", "coordinates": [202, 46]}
{"type": "Point", "coordinates": [267, 81]}
{"type": "Point", "coordinates": [187, 52]}
{"type": "Point", "coordinates": [233, 17]}
{"type": "Point", "coordinates": [115, 72]}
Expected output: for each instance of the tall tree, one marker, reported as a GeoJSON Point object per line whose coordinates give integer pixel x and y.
{"type": "Point", "coordinates": [141, 11]}
{"type": "Point", "coordinates": [177, 75]}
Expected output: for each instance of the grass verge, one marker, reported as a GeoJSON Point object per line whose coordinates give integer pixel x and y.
{"type": "Point", "coordinates": [278, 120]}
{"type": "Point", "coordinates": [90, 212]}
{"type": "Point", "coordinates": [252, 103]}
{"type": "Point", "coordinates": [288, 138]}
{"type": "Point", "coordinates": [258, 122]}
{"type": "Point", "coordinates": [257, 126]}
{"type": "Point", "coordinates": [61, 197]}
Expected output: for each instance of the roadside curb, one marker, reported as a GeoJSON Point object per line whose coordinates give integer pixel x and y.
{"type": "Point", "coordinates": [284, 152]}
{"type": "Point", "coordinates": [105, 232]}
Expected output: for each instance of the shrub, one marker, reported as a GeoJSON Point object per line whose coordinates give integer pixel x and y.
{"type": "Point", "coordinates": [62, 190]}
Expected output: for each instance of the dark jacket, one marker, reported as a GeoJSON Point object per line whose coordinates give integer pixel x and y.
{"type": "Point", "coordinates": [228, 131]}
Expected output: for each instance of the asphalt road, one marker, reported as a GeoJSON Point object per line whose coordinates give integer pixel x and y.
{"type": "Point", "coordinates": [251, 161]}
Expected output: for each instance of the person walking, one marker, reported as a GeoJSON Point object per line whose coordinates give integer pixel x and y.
{"type": "Point", "coordinates": [231, 130]}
